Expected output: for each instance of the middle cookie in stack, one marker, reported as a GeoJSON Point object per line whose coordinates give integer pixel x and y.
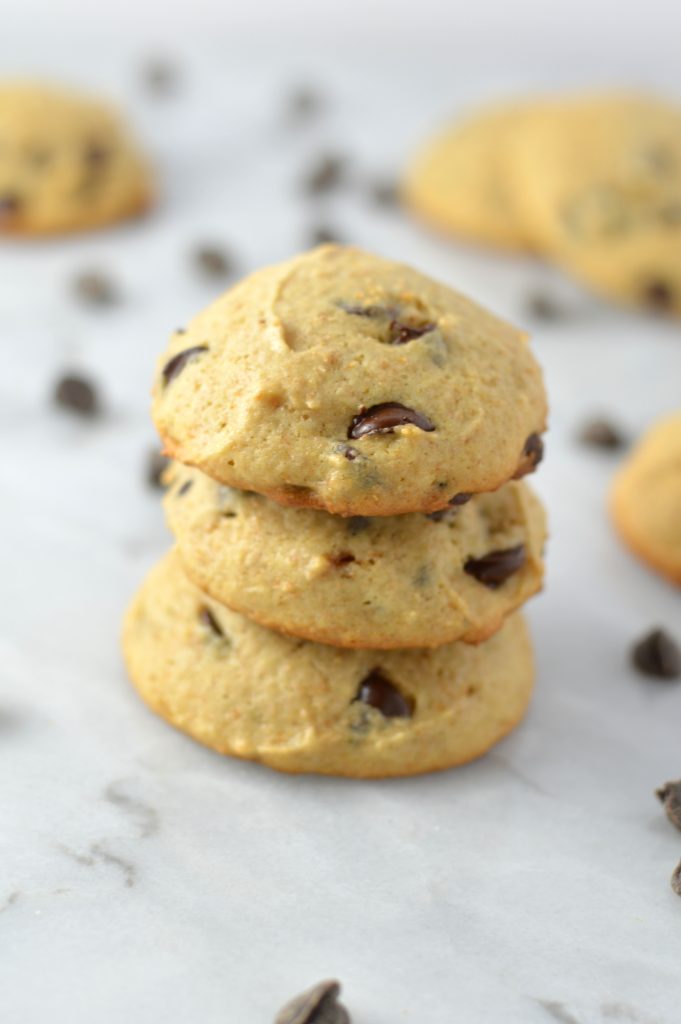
{"type": "Point", "coordinates": [356, 433]}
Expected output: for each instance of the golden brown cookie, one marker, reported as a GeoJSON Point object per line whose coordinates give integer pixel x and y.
{"type": "Point", "coordinates": [303, 707]}
{"type": "Point", "coordinates": [388, 582]}
{"type": "Point", "coordinates": [646, 498]}
{"type": "Point", "coordinates": [66, 163]}
{"type": "Point", "coordinates": [343, 381]}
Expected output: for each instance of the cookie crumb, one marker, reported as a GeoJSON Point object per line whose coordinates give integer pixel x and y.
{"type": "Point", "coordinates": [676, 879]}
{"type": "Point", "coordinates": [670, 797]}
{"type": "Point", "coordinates": [317, 1005]}
{"type": "Point", "coordinates": [657, 655]}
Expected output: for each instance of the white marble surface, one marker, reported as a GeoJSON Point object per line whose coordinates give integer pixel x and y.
{"type": "Point", "coordinates": [146, 879]}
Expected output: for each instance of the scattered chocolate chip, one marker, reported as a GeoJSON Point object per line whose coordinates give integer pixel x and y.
{"type": "Point", "coordinates": [318, 1005]}
{"type": "Point", "coordinates": [156, 467]}
{"type": "Point", "coordinates": [186, 486]}
{"type": "Point", "coordinates": [384, 193]}
{"type": "Point", "coordinates": [78, 395]}
{"type": "Point", "coordinates": [676, 879]}
{"type": "Point", "coordinates": [160, 76]}
{"type": "Point", "coordinates": [462, 498]}
{"type": "Point", "coordinates": [380, 693]}
{"type": "Point", "coordinates": [341, 558]}
{"type": "Point", "coordinates": [176, 365]}
{"type": "Point", "coordinates": [213, 261]}
{"type": "Point", "coordinates": [400, 333]}
{"type": "Point", "coordinates": [496, 567]}
{"type": "Point", "coordinates": [10, 206]}
{"type": "Point", "coordinates": [324, 235]}
{"type": "Point", "coordinates": [659, 296]}
{"type": "Point", "coordinates": [657, 655]}
{"type": "Point", "coordinates": [601, 433]}
{"type": "Point", "coordinates": [384, 417]}
{"type": "Point", "coordinates": [357, 524]}
{"type": "Point", "coordinates": [670, 797]}
{"type": "Point", "coordinates": [541, 306]}
{"type": "Point", "coordinates": [95, 289]}
{"type": "Point", "coordinates": [532, 454]}
{"type": "Point", "coordinates": [304, 103]}
{"type": "Point", "coordinates": [325, 175]}
{"type": "Point", "coordinates": [210, 622]}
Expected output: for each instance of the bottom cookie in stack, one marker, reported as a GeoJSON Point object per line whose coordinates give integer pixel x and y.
{"type": "Point", "coordinates": [300, 706]}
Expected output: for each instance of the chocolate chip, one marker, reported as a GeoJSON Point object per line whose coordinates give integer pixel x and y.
{"type": "Point", "coordinates": [380, 693]}
{"type": "Point", "coordinates": [156, 467]}
{"type": "Point", "coordinates": [372, 312]}
{"type": "Point", "coordinates": [670, 797]}
{"type": "Point", "coordinates": [341, 558]}
{"type": "Point", "coordinates": [659, 296]}
{"type": "Point", "coordinates": [442, 513]}
{"type": "Point", "coordinates": [95, 289]}
{"type": "Point", "coordinates": [213, 261]}
{"type": "Point", "coordinates": [318, 1005]}
{"type": "Point", "coordinates": [325, 175]}
{"type": "Point", "coordinates": [496, 567]}
{"type": "Point", "coordinates": [160, 76]}
{"type": "Point", "coordinates": [676, 879]}
{"type": "Point", "coordinates": [541, 306]}
{"type": "Point", "coordinates": [532, 454]}
{"type": "Point", "coordinates": [78, 395]}
{"type": "Point", "coordinates": [384, 417]}
{"type": "Point", "coordinates": [186, 486]}
{"type": "Point", "coordinates": [357, 524]}
{"type": "Point", "coordinates": [207, 618]}
{"type": "Point", "coordinates": [601, 433]}
{"type": "Point", "coordinates": [462, 498]}
{"type": "Point", "coordinates": [657, 655]}
{"type": "Point", "coordinates": [10, 206]}
{"type": "Point", "coordinates": [96, 154]}
{"type": "Point", "coordinates": [176, 365]}
{"type": "Point", "coordinates": [305, 103]}
{"type": "Point", "coordinates": [400, 333]}
{"type": "Point", "coordinates": [384, 193]}
{"type": "Point", "coordinates": [348, 452]}
{"type": "Point", "coordinates": [323, 235]}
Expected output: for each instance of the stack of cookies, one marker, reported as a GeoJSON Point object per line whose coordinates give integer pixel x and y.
{"type": "Point", "coordinates": [353, 538]}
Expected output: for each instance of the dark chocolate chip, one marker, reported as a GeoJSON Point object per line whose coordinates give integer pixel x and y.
{"type": "Point", "coordinates": [442, 513]}
{"type": "Point", "coordinates": [384, 417]}
{"type": "Point", "coordinates": [384, 193]}
{"type": "Point", "coordinates": [318, 1005]}
{"type": "Point", "coordinates": [213, 261]}
{"type": "Point", "coordinates": [532, 454]}
{"type": "Point", "coordinates": [10, 206]}
{"type": "Point", "coordinates": [186, 486]}
{"type": "Point", "coordinates": [176, 365]}
{"type": "Point", "coordinates": [462, 498]}
{"type": "Point", "coordinates": [156, 466]}
{"type": "Point", "coordinates": [659, 296]}
{"type": "Point", "coordinates": [78, 395]}
{"type": "Point", "coordinates": [541, 306]}
{"type": "Point", "coordinates": [207, 618]}
{"type": "Point", "coordinates": [400, 333]}
{"type": "Point", "coordinates": [348, 452]}
{"type": "Point", "coordinates": [380, 693]}
{"type": "Point", "coordinates": [341, 558]}
{"type": "Point", "coordinates": [160, 76]}
{"type": "Point", "coordinates": [496, 567]}
{"type": "Point", "coordinates": [670, 797]}
{"type": "Point", "coordinates": [357, 524]}
{"type": "Point", "coordinates": [676, 879]}
{"type": "Point", "coordinates": [95, 289]}
{"type": "Point", "coordinates": [601, 433]}
{"type": "Point", "coordinates": [323, 235]}
{"type": "Point", "coordinates": [657, 655]}
{"type": "Point", "coordinates": [325, 175]}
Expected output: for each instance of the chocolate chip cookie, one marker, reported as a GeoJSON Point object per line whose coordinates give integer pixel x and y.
{"type": "Point", "coordinates": [66, 163]}
{"type": "Point", "coordinates": [346, 382]}
{"type": "Point", "coordinates": [383, 582]}
{"type": "Point", "coordinates": [304, 707]}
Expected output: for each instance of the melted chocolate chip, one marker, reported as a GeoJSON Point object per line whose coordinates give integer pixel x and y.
{"type": "Point", "coordinates": [156, 467]}
{"type": "Point", "coordinates": [341, 558]}
{"type": "Point", "coordinates": [78, 395]}
{"type": "Point", "coordinates": [186, 486]}
{"type": "Point", "coordinates": [532, 454]}
{"type": "Point", "coordinates": [462, 498]}
{"type": "Point", "coordinates": [357, 524]}
{"type": "Point", "coordinates": [384, 417]}
{"type": "Point", "coordinates": [95, 289]}
{"type": "Point", "coordinates": [207, 618]}
{"type": "Point", "coordinates": [176, 365]}
{"type": "Point", "coordinates": [670, 797]}
{"type": "Point", "coordinates": [601, 433]}
{"type": "Point", "coordinates": [10, 206]}
{"type": "Point", "coordinates": [401, 333]}
{"type": "Point", "coordinates": [657, 655]}
{"type": "Point", "coordinates": [325, 175]}
{"type": "Point", "coordinates": [659, 296]}
{"type": "Point", "coordinates": [318, 1005]}
{"type": "Point", "coordinates": [213, 261]}
{"type": "Point", "coordinates": [496, 567]}
{"type": "Point", "coordinates": [380, 693]}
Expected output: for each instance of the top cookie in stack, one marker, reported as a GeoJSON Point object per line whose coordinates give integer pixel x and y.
{"type": "Point", "coordinates": [345, 382]}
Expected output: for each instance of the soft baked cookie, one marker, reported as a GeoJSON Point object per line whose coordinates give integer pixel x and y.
{"type": "Point", "coordinates": [597, 181]}
{"type": "Point", "coordinates": [66, 163]}
{"type": "Point", "coordinates": [303, 707]}
{"type": "Point", "coordinates": [388, 581]}
{"type": "Point", "coordinates": [646, 498]}
{"type": "Point", "coordinates": [459, 181]}
{"type": "Point", "coordinates": [343, 381]}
